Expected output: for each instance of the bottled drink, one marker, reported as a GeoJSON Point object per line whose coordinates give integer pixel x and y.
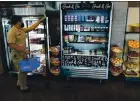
{"type": "Point", "coordinates": [102, 19]}
{"type": "Point", "coordinates": [98, 19]}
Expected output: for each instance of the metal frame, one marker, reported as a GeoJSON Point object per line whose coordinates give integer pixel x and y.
{"type": "Point", "coordinates": [48, 41]}
{"type": "Point", "coordinates": [110, 31]}
{"type": "Point", "coordinates": [6, 46]}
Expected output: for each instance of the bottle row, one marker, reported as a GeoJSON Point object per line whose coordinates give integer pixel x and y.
{"type": "Point", "coordinates": [73, 51]}
{"type": "Point", "coordinates": [37, 31]}
{"type": "Point", "coordinates": [85, 28]}
{"type": "Point", "coordinates": [83, 38]}
{"type": "Point", "coordinates": [36, 41]}
{"type": "Point", "coordinates": [86, 18]}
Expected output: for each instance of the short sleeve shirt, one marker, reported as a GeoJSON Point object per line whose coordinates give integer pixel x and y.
{"type": "Point", "coordinates": [18, 37]}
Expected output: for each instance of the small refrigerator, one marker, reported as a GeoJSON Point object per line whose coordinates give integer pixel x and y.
{"type": "Point", "coordinates": [85, 39]}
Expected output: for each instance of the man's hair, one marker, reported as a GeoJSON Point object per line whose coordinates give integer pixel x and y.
{"type": "Point", "coordinates": [15, 19]}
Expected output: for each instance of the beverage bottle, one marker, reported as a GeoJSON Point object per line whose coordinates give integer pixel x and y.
{"type": "Point", "coordinates": [102, 19]}
{"type": "Point", "coordinates": [98, 19]}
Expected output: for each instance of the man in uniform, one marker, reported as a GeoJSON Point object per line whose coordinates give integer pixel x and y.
{"type": "Point", "coordinates": [16, 38]}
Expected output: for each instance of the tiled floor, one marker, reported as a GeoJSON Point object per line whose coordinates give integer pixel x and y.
{"type": "Point", "coordinates": [74, 90]}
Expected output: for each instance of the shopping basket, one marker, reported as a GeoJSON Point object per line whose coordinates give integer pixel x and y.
{"type": "Point", "coordinates": [28, 65]}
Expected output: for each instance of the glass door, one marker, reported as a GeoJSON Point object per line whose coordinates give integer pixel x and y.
{"type": "Point", "coordinates": [36, 44]}
{"type": "Point", "coordinates": [6, 27]}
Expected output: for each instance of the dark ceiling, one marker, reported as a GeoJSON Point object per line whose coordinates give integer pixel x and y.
{"type": "Point", "coordinates": [13, 2]}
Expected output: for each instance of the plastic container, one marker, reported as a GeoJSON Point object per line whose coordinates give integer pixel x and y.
{"type": "Point", "coordinates": [28, 65]}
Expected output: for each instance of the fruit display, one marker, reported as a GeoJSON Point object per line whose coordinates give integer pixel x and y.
{"type": "Point", "coordinates": [131, 65]}
{"type": "Point", "coordinates": [54, 51]}
{"type": "Point", "coordinates": [133, 44]}
{"type": "Point", "coordinates": [55, 71]}
{"type": "Point", "coordinates": [116, 51]}
{"type": "Point", "coordinates": [131, 58]}
{"type": "Point", "coordinates": [54, 60]}
{"type": "Point", "coordinates": [116, 61]}
{"type": "Point", "coordinates": [133, 54]}
{"type": "Point", "coordinates": [130, 73]}
{"type": "Point", "coordinates": [134, 27]}
{"type": "Point", "coordinates": [116, 70]}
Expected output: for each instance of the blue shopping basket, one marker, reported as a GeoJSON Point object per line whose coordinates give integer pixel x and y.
{"type": "Point", "coordinates": [28, 65]}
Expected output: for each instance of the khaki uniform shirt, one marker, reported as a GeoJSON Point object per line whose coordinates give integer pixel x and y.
{"type": "Point", "coordinates": [18, 37]}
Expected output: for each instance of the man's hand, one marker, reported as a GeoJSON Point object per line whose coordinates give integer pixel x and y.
{"type": "Point", "coordinates": [42, 19]}
{"type": "Point", "coordinates": [27, 52]}
{"type": "Point", "coordinates": [24, 56]}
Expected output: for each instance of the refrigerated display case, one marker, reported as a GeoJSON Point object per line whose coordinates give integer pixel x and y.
{"type": "Point", "coordinates": [85, 39]}
{"type": "Point", "coordinates": [36, 41]}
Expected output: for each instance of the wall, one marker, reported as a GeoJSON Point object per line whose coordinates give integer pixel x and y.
{"type": "Point", "coordinates": [133, 15]}
{"type": "Point", "coordinates": [119, 22]}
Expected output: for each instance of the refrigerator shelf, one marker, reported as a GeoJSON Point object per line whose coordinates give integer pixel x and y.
{"type": "Point", "coordinates": [88, 31]}
{"type": "Point", "coordinates": [82, 22]}
{"type": "Point", "coordinates": [87, 42]}
{"type": "Point", "coordinates": [36, 44]}
{"type": "Point", "coordinates": [86, 55]}
{"type": "Point", "coordinates": [82, 69]}
{"type": "Point", "coordinates": [35, 33]}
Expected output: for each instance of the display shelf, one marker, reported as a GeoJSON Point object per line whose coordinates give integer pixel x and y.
{"type": "Point", "coordinates": [131, 63]}
{"type": "Point", "coordinates": [131, 76]}
{"type": "Point", "coordinates": [35, 33]}
{"type": "Point", "coordinates": [88, 31]}
{"type": "Point", "coordinates": [76, 22]}
{"type": "Point", "coordinates": [132, 32]}
{"type": "Point", "coordinates": [87, 42]}
{"type": "Point", "coordinates": [36, 44]}
{"type": "Point", "coordinates": [86, 55]}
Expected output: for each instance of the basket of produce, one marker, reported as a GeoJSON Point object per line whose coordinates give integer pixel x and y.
{"type": "Point", "coordinates": [54, 51]}
{"type": "Point", "coordinates": [133, 45]}
{"type": "Point", "coordinates": [116, 71]}
{"type": "Point", "coordinates": [131, 65]}
{"type": "Point", "coordinates": [55, 61]}
{"type": "Point", "coordinates": [134, 28]}
{"type": "Point", "coordinates": [133, 56]}
{"type": "Point", "coordinates": [55, 71]}
{"type": "Point", "coordinates": [116, 51]}
{"type": "Point", "coordinates": [116, 61]}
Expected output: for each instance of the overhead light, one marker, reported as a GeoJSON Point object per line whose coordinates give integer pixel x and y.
{"type": "Point", "coordinates": [28, 6]}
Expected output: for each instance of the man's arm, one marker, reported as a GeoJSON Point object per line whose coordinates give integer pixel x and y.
{"type": "Point", "coordinates": [32, 27]}
{"type": "Point", "coordinates": [18, 48]}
